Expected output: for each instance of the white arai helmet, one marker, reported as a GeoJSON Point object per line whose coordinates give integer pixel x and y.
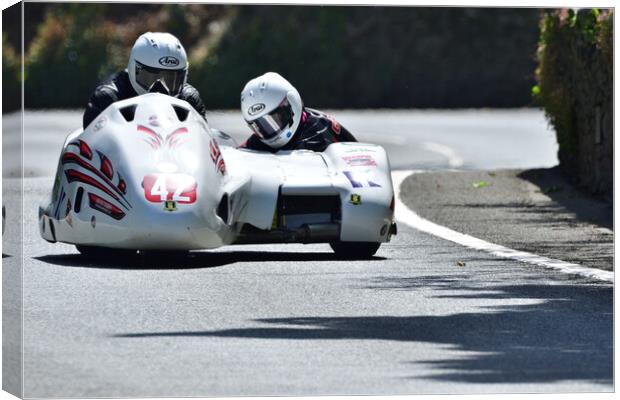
{"type": "Point", "coordinates": [272, 107]}
{"type": "Point", "coordinates": [157, 56]}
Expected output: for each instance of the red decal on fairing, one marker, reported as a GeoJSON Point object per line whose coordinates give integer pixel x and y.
{"type": "Point", "coordinates": [221, 166]}
{"type": "Point", "coordinates": [215, 151]}
{"type": "Point", "coordinates": [122, 186]}
{"type": "Point", "coordinates": [153, 138]}
{"type": "Point", "coordinates": [174, 138]}
{"type": "Point", "coordinates": [216, 157]}
{"type": "Point", "coordinates": [74, 175]}
{"type": "Point", "coordinates": [72, 158]}
{"type": "Point", "coordinates": [166, 187]}
{"type": "Point", "coordinates": [106, 165]}
{"type": "Point", "coordinates": [156, 141]}
{"type": "Point", "coordinates": [85, 150]}
{"type": "Point", "coordinates": [104, 206]}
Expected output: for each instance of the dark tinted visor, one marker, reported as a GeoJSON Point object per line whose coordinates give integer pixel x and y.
{"type": "Point", "coordinates": [269, 125]}
{"type": "Point", "coordinates": [173, 78]}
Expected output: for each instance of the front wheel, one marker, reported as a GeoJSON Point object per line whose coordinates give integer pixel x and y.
{"type": "Point", "coordinates": [355, 250]}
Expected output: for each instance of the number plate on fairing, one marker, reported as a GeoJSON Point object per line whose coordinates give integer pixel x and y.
{"type": "Point", "coordinates": [159, 188]}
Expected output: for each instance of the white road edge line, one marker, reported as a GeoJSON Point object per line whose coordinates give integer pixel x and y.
{"type": "Point", "coordinates": [406, 216]}
{"type": "Point", "coordinates": [454, 161]}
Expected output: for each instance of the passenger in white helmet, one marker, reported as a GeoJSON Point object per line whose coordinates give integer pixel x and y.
{"type": "Point", "coordinates": [155, 57]}
{"type": "Point", "coordinates": [273, 109]}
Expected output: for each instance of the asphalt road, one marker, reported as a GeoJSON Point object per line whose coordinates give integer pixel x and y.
{"type": "Point", "coordinates": [414, 139]}
{"type": "Point", "coordinates": [291, 319]}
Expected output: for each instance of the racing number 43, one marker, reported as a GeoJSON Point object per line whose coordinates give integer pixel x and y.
{"type": "Point", "coordinates": [159, 188]}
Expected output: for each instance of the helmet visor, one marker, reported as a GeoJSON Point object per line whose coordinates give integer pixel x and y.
{"type": "Point", "coordinates": [173, 78]}
{"type": "Point", "coordinates": [270, 125]}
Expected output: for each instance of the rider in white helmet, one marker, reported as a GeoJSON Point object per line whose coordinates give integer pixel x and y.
{"type": "Point", "coordinates": [273, 109]}
{"type": "Point", "coordinates": [155, 57]}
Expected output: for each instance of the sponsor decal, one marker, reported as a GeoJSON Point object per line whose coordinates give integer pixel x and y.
{"type": "Point", "coordinates": [355, 199]}
{"type": "Point", "coordinates": [216, 157]}
{"type": "Point", "coordinates": [100, 123]}
{"type": "Point", "coordinates": [159, 188]}
{"type": "Point", "coordinates": [169, 61]}
{"type": "Point", "coordinates": [356, 147]}
{"type": "Point", "coordinates": [357, 181]}
{"type": "Point", "coordinates": [170, 205]}
{"type": "Point", "coordinates": [362, 160]}
{"type": "Point", "coordinates": [255, 108]}
{"type": "Point", "coordinates": [153, 120]}
{"type": "Point", "coordinates": [102, 205]}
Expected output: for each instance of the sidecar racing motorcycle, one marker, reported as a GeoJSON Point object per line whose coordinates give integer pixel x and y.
{"type": "Point", "coordinates": [149, 174]}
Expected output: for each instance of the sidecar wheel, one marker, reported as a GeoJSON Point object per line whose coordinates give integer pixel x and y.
{"type": "Point", "coordinates": [355, 250]}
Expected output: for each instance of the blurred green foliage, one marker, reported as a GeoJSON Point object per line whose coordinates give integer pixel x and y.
{"type": "Point", "coordinates": [379, 56]}
{"type": "Point", "coordinates": [337, 56]}
{"type": "Point", "coordinates": [575, 73]}
{"type": "Point", "coordinates": [11, 71]}
{"type": "Point", "coordinates": [71, 44]}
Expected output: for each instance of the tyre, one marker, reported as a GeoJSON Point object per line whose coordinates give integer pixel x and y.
{"type": "Point", "coordinates": [103, 252]}
{"type": "Point", "coordinates": [355, 250]}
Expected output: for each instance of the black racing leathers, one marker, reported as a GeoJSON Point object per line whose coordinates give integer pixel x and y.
{"type": "Point", "coordinates": [316, 131]}
{"type": "Point", "coordinates": [118, 87]}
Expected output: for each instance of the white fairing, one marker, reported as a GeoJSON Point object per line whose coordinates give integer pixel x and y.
{"type": "Point", "coordinates": [158, 182]}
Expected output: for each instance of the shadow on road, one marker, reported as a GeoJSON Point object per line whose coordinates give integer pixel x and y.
{"type": "Point", "coordinates": [558, 187]}
{"type": "Point", "coordinates": [186, 261]}
{"type": "Point", "coordinates": [548, 333]}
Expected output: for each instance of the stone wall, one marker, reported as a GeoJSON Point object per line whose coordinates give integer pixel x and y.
{"type": "Point", "coordinates": [575, 87]}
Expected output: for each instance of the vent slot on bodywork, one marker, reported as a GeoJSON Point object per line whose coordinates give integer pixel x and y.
{"type": "Point", "coordinates": [222, 208]}
{"type": "Point", "coordinates": [295, 211]}
{"type": "Point", "coordinates": [182, 112]}
{"type": "Point", "coordinates": [128, 112]}
{"type": "Point", "coordinates": [52, 230]}
{"type": "Point", "coordinates": [77, 204]}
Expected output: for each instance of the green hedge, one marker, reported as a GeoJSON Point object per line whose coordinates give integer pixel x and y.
{"type": "Point", "coordinates": [71, 51]}
{"type": "Point", "coordinates": [380, 56]}
{"type": "Point", "coordinates": [337, 56]}
{"type": "Point", "coordinates": [575, 78]}
{"type": "Point", "coordinates": [11, 72]}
